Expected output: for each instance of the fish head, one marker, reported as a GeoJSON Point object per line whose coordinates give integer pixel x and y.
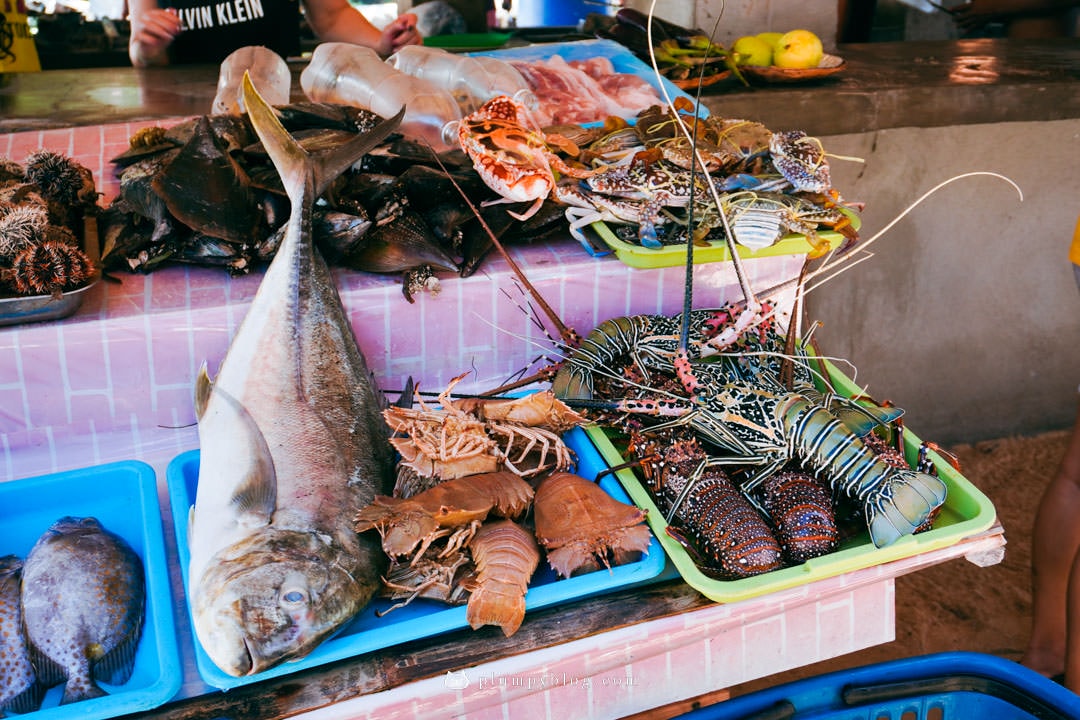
{"type": "Point", "coordinates": [273, 599]}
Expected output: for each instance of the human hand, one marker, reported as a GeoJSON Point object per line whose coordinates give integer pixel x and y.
{"type": "Point", "coordinates": [152, 33]}
{"type": "Point", "coordinates": [400, 32]}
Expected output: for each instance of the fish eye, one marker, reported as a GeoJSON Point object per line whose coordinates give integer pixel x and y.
{"type": "Point", "coordinates": [294, 596]}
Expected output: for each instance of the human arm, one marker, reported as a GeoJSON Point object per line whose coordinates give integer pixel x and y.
{"type": "Point", "coordinates": [338, 21]}
{"type": "Point", "coordinates": [152, 31]}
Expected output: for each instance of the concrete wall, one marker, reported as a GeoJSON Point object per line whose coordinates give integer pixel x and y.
{"type": "Point", "coordinates": [968, 315]}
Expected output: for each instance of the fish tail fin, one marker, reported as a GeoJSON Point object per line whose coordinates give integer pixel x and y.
{"type": "Point", "coordinates": [79, 689]}
{"type": "Point", "coordinates": [293, 163]}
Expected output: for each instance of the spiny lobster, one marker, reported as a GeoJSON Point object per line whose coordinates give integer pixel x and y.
{"type": "Point", "coordinates": [760, 423]}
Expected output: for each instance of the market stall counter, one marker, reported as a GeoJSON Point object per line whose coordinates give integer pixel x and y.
{"type": "Point", "coordinates": [113, 382]}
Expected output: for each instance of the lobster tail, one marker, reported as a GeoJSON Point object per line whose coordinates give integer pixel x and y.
{"type": "Point", "coordinates": [506, 555]}
{"type": "Point", "coordinates": [902, 504]}
{"type": "Point", "coordinates": [896, 501]}
{"type": "Point", "coordinates": [609, 340]}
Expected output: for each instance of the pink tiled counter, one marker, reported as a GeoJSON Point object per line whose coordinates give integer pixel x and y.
{"type": "Point", "coordinates": [115, 381]}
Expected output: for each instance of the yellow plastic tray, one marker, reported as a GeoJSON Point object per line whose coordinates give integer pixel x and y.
{"type": "Point", "coordinates": [966, 512]}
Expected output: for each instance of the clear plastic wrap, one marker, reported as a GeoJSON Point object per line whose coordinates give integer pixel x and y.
{"type": "Point", "coordinates": [269, 74]}
{"type": "Point", "coordinates": [471, 80]}
{"type": "Point", "coordinates": [356, 75]}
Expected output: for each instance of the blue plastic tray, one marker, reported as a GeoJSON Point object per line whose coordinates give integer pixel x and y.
{"type": "Point", "coordinates": [621, 59]}
{"type": "Point", "coordinates": [123, 497]}
{"type": "Point", "coordinates": [942, 686]}
{"type": "Point", "coordinates": [421, 618]}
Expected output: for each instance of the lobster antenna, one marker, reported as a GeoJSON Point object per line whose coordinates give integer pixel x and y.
{"type": "Point", "coordinates": [826, 266]}
{"type": "Point", "coordinates": [729, 238]}
{"type": "Point", "coordinates": [568, 335]}
{"type": "Point", "coordinates": [697, 162]}
{"type": "Point", "coordinates": [849, 259]}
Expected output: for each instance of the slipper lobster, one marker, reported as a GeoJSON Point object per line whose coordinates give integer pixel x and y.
{"type": "Point", "coordinates": [583, 528]}
{"type": "Point", "coordinates": [454, 509]}
{"type": "Point", "coordinates": [506, 556]}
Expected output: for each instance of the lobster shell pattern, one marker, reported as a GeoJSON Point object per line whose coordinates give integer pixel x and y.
{"type": "Point", "coordinates": [506, 555]}
{"type": "Point", "coordinates": [730, 537]}
{"type": "Point", "coordinates": [892, 457]}
{"type": "Point", "coordinates": [583, 528]}
{"type": "Point", "coordinates": [802, 514]}
{"type": "Point", "coordinates": [404, 524]}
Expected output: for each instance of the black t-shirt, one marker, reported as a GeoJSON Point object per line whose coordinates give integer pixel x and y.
{"type": "Point", "coordinates": [212, 29]}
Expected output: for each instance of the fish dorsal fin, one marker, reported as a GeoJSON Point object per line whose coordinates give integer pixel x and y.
{"type": "Point", "coordinates": [293, 162]}
{"type": "Point", "coordinates": [203, 386]}
{"type": "Point", "coordinates": [255, 497]}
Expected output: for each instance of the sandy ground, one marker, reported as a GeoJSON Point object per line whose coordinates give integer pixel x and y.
{"type": "Point", "coordinates": [958, 605]}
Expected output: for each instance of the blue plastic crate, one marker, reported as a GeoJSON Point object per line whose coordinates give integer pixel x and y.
{"type": "Point", "coordinates": [942, 686]}
{"type": "Point", "coordinates": [123, 497]}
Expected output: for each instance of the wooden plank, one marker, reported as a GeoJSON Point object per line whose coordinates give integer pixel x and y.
{"type": "Point", "coordinates": [430, 657]}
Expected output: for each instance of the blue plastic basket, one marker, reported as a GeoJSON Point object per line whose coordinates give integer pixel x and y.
{"type": "Point", "coordinates": [942, 686]}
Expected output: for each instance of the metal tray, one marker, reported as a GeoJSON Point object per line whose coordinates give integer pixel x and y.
{"type": "Point", "coordinates": [421, 618]}
{"type": "Point", "coordinates": [38, 308]}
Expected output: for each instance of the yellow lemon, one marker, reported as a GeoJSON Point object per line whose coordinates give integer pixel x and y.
{"type": "Point", "coordinates": [771, 37]}
{"type": "Point", "coordinates": [798, 49]}
{"type": "Point", "coordinates": [751, 50]}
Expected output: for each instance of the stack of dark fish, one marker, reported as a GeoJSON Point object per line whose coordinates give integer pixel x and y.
{"type": "Point", "coordinates": [205, 192]}
{"type": "Point", "coordinates": [71, 613]}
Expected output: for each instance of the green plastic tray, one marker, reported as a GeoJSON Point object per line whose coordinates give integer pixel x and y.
{"type": "Point", "coordinates": [468, 42]}
{"type": "Point", "coordinates": [966, 512]}
{"type": "Point", "coordinates": [713, 251]}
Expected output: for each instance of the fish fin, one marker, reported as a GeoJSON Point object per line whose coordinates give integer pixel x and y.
{"type": "Point", "coordinates": [203, 386]}
{"type": "Point", "coordinates": [48, 672]}
{"type": "Point", "coordinates": [405, 399]}
{"type": "Point", "coordinates": [256, 498]}
{"type": "Point", "coordinates": [115, 668]}
{"type": "Point", "coordinates": [256, 494]}
{"type": "Point", "coordinates": [293, 162]}
{"type": "Point", "coordinates": [28, 701]}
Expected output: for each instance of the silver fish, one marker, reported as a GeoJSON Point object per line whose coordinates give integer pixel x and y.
{"type": "Point", "coordinates": [18, 689]}
{"type": "Point", "coordinates": [83, 600]}
{"type": "Point", "coordinates": [292, 443]}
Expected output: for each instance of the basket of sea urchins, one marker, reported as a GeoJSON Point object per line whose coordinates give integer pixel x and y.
{"type": "Point", "coordinates": [48, 209]}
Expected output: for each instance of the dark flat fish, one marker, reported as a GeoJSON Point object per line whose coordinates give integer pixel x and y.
{"type": "Point", "coordinates": [18, 689]}
{"type": "Point", "coordinates": [83, 599]}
